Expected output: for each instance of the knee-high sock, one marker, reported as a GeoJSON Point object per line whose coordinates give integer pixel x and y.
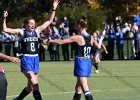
{"type": "Point", "coordinates": [96, 66]}
{"type": "Point", "coordinates": [23, 94]}
{"type": "Point", "coordinates": [37, 95]}
{"type": "Point", "coordinates": [77, 96]}
{"type": "Point", "coordinates": [88, 95]}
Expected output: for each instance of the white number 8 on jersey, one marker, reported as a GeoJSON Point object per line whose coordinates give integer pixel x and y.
{"type": "Point", "coordinates": [32, 47]}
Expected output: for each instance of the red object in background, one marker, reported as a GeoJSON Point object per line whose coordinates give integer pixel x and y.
{"type": "Point", "coordinates": [1, 69]}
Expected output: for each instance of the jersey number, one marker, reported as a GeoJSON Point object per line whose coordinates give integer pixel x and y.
{"type": "Point", "coordinates": [87, 51]}
{"type": "Point", "coordinates": [32, 47]}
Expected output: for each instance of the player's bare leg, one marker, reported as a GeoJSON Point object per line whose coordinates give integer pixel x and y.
{"type": "Point", "coordinates": [78, 91]}
{"type": "Point", "coordinates": [31, 86]}
{"type": "Point", "coordinates": [85, 88]}
{"type": "Point", "coordinates": [33, 79]}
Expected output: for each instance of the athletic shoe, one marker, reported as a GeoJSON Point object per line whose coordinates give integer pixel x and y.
{"type": "Point", "coordinates": [71, 59]}
{"type": "Point", "coordinates": [15, 98]}
{"type": "Point", "coordinates": [96, 71]}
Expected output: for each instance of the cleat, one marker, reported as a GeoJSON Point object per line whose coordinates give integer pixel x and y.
{"type": "Point", "coordinates": [15, 98]}
{"type": "Point", "coordinates": [97, 72]}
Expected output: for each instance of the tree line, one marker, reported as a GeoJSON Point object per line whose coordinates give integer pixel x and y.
{"type": "Point", "coordinates": [97, 10]}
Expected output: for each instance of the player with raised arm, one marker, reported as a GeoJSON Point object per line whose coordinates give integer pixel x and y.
{"type": "Point", "coordinates": [96, 52]}
{"type": "Point", "coordinates": [3, 81]}
{"type": "Point", "coordinates": [83, 63]}
{"type": "Point", "coordinates": [29, 48]}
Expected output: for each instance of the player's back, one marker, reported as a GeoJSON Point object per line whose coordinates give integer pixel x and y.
{"type": "Point", "coordinates": [84, 50]}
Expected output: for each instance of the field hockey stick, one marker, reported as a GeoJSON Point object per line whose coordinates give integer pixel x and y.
{"type": "Point", "coordinates": [103, 33]}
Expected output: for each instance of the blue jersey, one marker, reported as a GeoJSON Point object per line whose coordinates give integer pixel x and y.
{"type": "Point", "coordinates": [111, 36]}
{"type": "Point", "coordinates": [119, 37]}
{"type": "Point", "coordinates": [99, 36]}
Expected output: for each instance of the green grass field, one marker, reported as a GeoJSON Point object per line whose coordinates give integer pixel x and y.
{"type": "Point", "coordinates": [118, 80]}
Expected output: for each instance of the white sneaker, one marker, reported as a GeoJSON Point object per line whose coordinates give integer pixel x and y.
{"type": "Point", "coordinates": [96, 71]}
{"type": "Point", "coordinates": [71, 59]}
{"type": "Point", "coordinates": [15, 98]}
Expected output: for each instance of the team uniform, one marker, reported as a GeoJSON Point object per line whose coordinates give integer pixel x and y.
{"type": "Point", "coordinates": [29, 49]}
{"type": "Point", "coordinates": [83, 63]}
{"type": "Point", "coordinates": [95, 50]}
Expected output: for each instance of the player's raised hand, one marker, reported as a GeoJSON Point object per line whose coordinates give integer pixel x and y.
{"type": "Point", "coordinates": [14, 60]}
{"type": "Point", "coordinates": [106, 52]}
{"type": "Point", "coordinates": [55, 3]}
{"type": "Point", "coordinates": [5, 14]}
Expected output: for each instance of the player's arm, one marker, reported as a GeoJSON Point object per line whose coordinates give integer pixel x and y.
{"type": "Point", "coordinates": [65, 41]}
{"type": "Point", "coordinates": [103, 46]}
{"type": "Point", "coordinates": [47, 23]}
{"type": "Point", "coordinates": [12, 59]}
{"type": "Point", "coordinates": [98, 45]}
{"type": "Point", "coordinates": [9, 30]}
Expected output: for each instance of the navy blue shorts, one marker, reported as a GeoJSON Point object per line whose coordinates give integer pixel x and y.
{"type": "Point", "coordinates": [29, 63]}
{"type": "Point", "coordinates": [97, 52]}
{"type": "Point", "coordinates": [83, 67]}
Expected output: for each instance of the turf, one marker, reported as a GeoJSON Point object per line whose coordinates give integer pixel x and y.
{"type": "Point", "coordinates": [118, 80]}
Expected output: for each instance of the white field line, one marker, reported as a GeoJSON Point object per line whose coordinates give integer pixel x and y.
{"type": "Point", "coordinates": [69, 92]}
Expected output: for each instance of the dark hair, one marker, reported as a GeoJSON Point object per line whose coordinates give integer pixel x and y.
{"type": "Point", "coordinates": [26, 21]}
{"type": "Point", "coordinates": [84, 17]}
{"type": "Point", "coordinates": [82, 23]}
